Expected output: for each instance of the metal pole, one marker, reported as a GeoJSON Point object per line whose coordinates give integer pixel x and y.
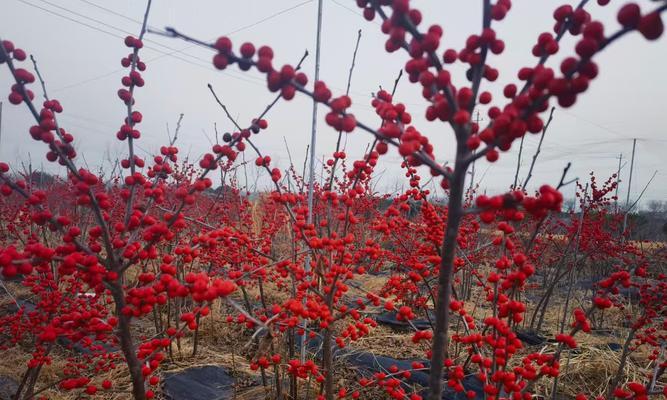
{"type": "Point", "coordinates": [632, 165]}
{"type": "Point", "coordinates": [472, 170]}
{"type": "Point", "coordinates": [0, 124]}
{"type": "Point", "coordinates": [618, 182]}
{"type": "Point", "coordinates": [627, 199]}
{"type": "Point", "coordinates": [313, 137]}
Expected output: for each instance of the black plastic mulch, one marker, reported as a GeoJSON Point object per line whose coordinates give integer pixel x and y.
{"type": "Point", "coordinates": [209, 382]}
{"type": "Point", "coordinates": [390, 319]}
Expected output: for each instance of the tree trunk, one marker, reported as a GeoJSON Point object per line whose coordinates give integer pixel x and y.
{"type": "Point", "coordinates": [127, 344]}
{"type": "Point", "coordinates": [454, 215]}
{"type": "Point", "coordinates": [327, 363]}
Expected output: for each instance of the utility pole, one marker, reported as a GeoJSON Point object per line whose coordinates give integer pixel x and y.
{"type": "Point", "coordinates": [0, 124]}
{"type": "Point", "coordinates": [311, 173]}
{"type": "Point", "coordinates": [618, 182]}
{"type": "Point", "coordinates": [632, 165]}
{"type": "Point", "coordinates": [518, 163]}
{"type": "Point", "coordinates": [472, 170]}
{"type": "Point", "coordinates": [627, 199]}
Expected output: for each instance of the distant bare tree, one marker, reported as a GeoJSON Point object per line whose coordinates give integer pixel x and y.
{"type": "Point", "coordinates": [569, 204]}
{"type": "Point", "coordinates": [657, 206]}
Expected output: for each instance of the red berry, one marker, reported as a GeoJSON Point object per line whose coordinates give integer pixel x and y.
{"type": "Point", "coordinates": [586, 48]}
{"type": "Point", "coordinates": [461, 117]}
{"type": "Point", "coordinates": [19, 55]}
{"type": "Point", "coordinates": [9, 46]}
{"type": "Point", "coordinates": [130, 41]}
{"type": "Point", "coordinates": [485, 98]}
{"type": "Point", "coordinates": [220, 61]}
{"type": "Point", "coordinates": [223, 44]}
{"type": "Point", "coordinates": [450, 56]}
{"type": "Point", "coordinates": [651, 26]}
{"type": "Point", "coordinates": [247, 50]}
{"type": "Point", "coordinates": [15, 98]}
{"type": "Point", "coordinates": [563, 12]}
{"type": "Point", "coordinates": [629, 15]}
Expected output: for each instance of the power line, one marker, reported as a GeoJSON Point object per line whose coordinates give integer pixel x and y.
{"type": "Point", "coordinates": [70, 19]}
{"type": "Point", "coordinates": [242, 28]}
{"type": "Point", "coordinates": [268, 18]}
{"type": "Point", "coordinates": [85, 128]}
{"type": "Point", "coordinates": [353, 11]}
{"type": "Point", "coordinates": [256, 81]}
{"type": "Point", "coordinates": [172, 51]}
{"type": "Point", "coordinates": [604, 128]}
{"type": "Point", "coordinates": [101, 30]}
{"type": "Point", "coordinates": [579, 147]}
{"type": "Point", "coordinates": [98, 21]}
{"type": "Point", "coordinates": [110, 11]}
{"type": "Point", "coordinates": [206, 64]}
{"type": "Point", "coordinates": [98, 123]}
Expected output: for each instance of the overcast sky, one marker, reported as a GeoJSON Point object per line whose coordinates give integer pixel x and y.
{"type": "Point", "coordinates": [78, 45]}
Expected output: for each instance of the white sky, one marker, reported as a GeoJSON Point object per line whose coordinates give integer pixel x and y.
{"type": "Point", "coordinates": [79, 54]}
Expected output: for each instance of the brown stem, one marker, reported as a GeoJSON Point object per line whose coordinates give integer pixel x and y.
{"type": "Point", "coordinates": [621, 365]}
{"type": "Point", "coordinates": [32, 381]}
{"type": "Point", "coordinates": [454, 214]}
{"type": "Point", "coordinates": [347, 92]}
{"type": "Point", "coordinates": [24, 379]}
{"type": "Point", "coordinates": [327, 363]}
{"type": "Point", "coordinates": [127, 344]}
{"type": "Point", "coordinates": [195, 344]}
{"type": "Point", "coordinates": [133, 67]}
{"type": "Point", "coordinates": [537, 152]}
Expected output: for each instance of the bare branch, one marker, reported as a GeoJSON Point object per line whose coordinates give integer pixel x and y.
{"type": "Point", "coordinates": [537, 152]}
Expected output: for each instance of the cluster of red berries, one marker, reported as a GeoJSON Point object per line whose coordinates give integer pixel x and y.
{"type": "Point", "coordinates": [10, 52]}
{"type": "Point", "coordinates": [134, 78]}
{"type": "Point", "coordinates": [650, 25]}
{"type": "Point", "coordinates": [337, 118]}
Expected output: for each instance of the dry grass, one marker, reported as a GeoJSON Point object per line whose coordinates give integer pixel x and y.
{"type": "Point", "coordinates": [221, 344]}
{"type": "Point", "coordinates": [15, 359]}
{"type": "Point", "coordinates": [588, 370]}
{"type": "Point", "coordinates": [387, 342]}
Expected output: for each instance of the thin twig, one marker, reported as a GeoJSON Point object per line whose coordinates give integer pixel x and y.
{"type": "Point", "coordinates": [539, 147]}
{"type": "Point", "coordinates": [347, 92]}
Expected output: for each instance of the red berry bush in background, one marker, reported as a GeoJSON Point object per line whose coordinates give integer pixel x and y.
{"type": "Point", "coordinates": [127, 266]}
